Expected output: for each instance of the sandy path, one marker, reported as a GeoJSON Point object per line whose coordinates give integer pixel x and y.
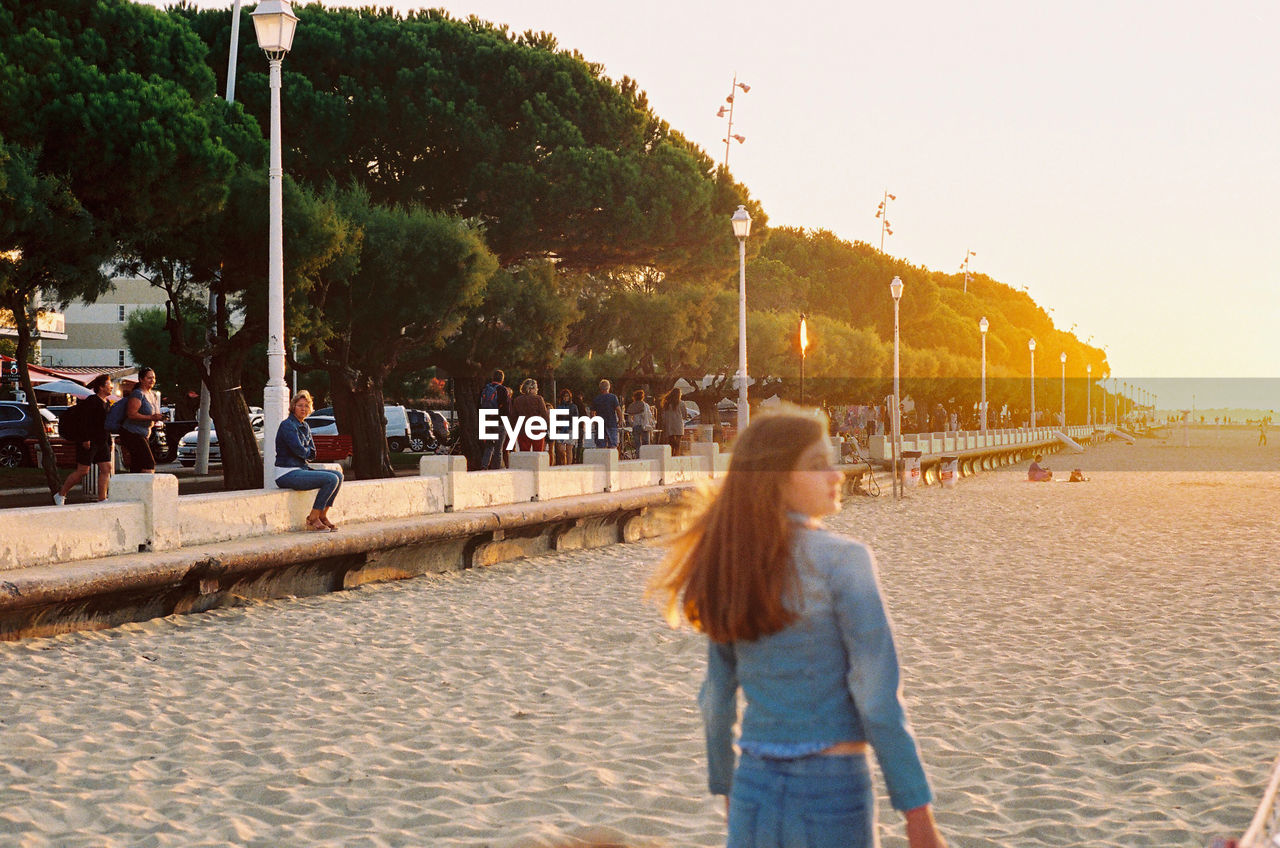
{"type": "Point", "coordinates": [1086, 665]}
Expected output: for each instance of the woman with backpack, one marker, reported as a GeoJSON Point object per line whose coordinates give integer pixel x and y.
{"type": "Point", "coordinates": [141, 414]}
{"type": "Point", "coordinates": [85, 424]}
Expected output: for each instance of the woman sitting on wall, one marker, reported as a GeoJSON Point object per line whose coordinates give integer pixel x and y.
{"type": "Point", "coordinates": [294, 449]}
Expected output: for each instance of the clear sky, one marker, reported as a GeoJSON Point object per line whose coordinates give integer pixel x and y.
{"type": "Point", "coordinates": [1120, 159]}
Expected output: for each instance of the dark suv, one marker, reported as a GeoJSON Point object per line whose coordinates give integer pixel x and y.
{"type": "Point", "coordinates": [16, 426]}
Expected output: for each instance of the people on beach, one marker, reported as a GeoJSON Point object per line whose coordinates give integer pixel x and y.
{"type": "Point", "coordinates": [607, 406]}
{"type": "Point", "coordinates": [640, 417]}
{"type": "Point", "coordinates": [671, 417]}
{"type": "Point", "coordinates": [530, 404]}
{"type": "Point", "coordinates": [1262, 433]}
{"type": "Point", "coordinates": [794, 618]}
{"type": "Point", "coordinates": [295, 448]}
{"type": "Point", "coordinates": [142, 411]}
{"type": "Point", "coordinates": [93, 442]}
{"type": "Point", "coordinates": [1037, 473]}
{"type": "Point", "coordinates": [495, 396]}
{"type": "Point", "coordinates": [562, 449]}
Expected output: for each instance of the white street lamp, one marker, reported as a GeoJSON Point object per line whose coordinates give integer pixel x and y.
{"type": "Point", "coordinates": [895, 289]}
{"type": "Point", "coordinates": [274, 22]}
{"type": "Point", "coordinates": [1031, 346]}
{"type": "Point", "coordinates": [1088, 393]}
{"type": "Point", "coordinates": [983, 325]}
{"type": "Point", "coordinates": [1062, 357]}
{"type": "Point", "coordinates": [741, 229]}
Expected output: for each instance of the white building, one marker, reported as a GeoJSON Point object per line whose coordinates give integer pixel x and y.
{"type": "Point", "coordinates": [95, 331]}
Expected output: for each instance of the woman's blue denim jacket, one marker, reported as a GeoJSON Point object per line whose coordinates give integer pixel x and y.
{"type": "Point", "coordinates": [830, 676]}
{"type": "Point", "coordinates": [294, 445]}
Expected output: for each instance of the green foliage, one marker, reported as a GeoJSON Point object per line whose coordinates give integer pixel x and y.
{"type": "Point", "coordinates": [147, 337]}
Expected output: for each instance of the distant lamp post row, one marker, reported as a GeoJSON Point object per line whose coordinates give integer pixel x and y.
{"type": "Point", "coordinates": [274, 22]}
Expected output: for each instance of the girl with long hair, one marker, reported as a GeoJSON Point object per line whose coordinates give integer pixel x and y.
{"type": "Point", "coordinates": [794, 618]}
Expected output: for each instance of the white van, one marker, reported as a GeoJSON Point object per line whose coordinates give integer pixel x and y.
{"type": "Point", "coordinates": [398, 430]}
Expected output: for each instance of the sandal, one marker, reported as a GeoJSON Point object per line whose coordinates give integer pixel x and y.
{"type": "Point", "coordinates": [315, 524]}
{"type": "Point", "coordinates": [327, 523]}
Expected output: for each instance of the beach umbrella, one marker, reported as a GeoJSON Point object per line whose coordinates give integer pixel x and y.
{"type": "Point", "coordinates": [64, 387]}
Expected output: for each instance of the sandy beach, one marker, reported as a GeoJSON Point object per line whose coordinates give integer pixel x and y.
{"type": "Point", "coordinates": [1088, 664]}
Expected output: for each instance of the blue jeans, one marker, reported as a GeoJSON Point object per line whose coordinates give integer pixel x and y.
{"type": "Point", "coordinates": [812, 802]}
{"type": "Point", "coordinates": [640, 435]}
{"type": "Point", "coordinates": [304, 479]}
{"type": "Point", "coordinates": [610, 439]}
{"type": "Point", "coordinates": [491, 456]}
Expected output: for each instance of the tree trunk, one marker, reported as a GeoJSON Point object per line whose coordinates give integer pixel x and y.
{"type": "Point", "coordinates": [241, 459]}
{"type": "Point", "coordinates": [466, 391]}
{"type": "Point", "coordinates": [18, 305]}
{"type": "Point", "coordinates": [358, 407]}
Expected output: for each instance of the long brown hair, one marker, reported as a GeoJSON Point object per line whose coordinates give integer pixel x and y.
{"type": "Point", "coordinates": [731, 573]}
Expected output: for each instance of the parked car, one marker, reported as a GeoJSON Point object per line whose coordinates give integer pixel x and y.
{"type": "Point", "coordinates": [188, 443]}
{"type": "Point", "coordinates": [322, 425]}
{"type": "Point", "coordinates": [16, 426]}
{"type": "Point", "coordinates": [399, 433]}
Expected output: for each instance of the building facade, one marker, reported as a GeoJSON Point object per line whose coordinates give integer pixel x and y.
{"type": "Point", "coordinates": [95, 331]}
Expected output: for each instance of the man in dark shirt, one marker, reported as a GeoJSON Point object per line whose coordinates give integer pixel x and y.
{"type": "Point", "coordinates": [494, 395]}
{"type": "Point", "coordinates": [607, 406]}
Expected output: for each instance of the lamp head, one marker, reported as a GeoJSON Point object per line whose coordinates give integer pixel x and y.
{"type": "Point", "coordinates": [895, 288]}
{"type": "Point", "coordinates": [1088, 369]}
{"type": "Point", "coordinates": [1031, 345]}
{"type": "Point", "coordinates": [983, 325]}
{"type": "Point", "coordinates": [274, 22]}
{"type": "Point", "coordinates": [1062, 357]}
{"type": "Point", "coordinates": [741, 223]}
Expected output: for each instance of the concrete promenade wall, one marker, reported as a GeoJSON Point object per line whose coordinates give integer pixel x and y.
{"type": "Point", "coordinates": [938, 444]}
{"type": "Point", "coordinates": [145, 513]}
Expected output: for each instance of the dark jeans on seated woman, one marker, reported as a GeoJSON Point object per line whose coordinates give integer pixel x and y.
{"type": "Point", "coordinates": [304, 479]}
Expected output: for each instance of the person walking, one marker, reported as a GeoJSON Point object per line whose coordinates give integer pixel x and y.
{"type": "Point", "coordinates": [640, 418]}
{"type": "Point", "coordinates": [142, 411]}
{"type": "Point", "coordinates": [295, 448]}
{"type": "Point", "coordinates": [529, 405]}
{"type": "Point", "coordinates": [671, 417]}
{"type": "Point", "coordinates": [607, 406]}
{"type": "Point", "coordinates": [562, 449]}
{"type": "Point", "coordinates": [93, 442]}
{"type": "Point", "coordinates": [497, 397]}
{"type": "Point", "coordinates": [794, 618]}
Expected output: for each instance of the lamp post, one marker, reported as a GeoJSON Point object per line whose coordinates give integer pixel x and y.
{"type": "Point", "coordinates": [742, 228]}
{"type": "Point", "coordinates": [1031, 346]}
{"type": "Point", "coordinates": [964, 266]}
{"type": "Point", "coordinates": [274, 22]}
{"type": "Point", "coordinates": [804, 345]}
{"type": "Point", "coordinates": [1088, 394]}
{"type": "Point", "coordinates": [1062, 357]}
{"type": "Point", "coordinates": [882, 212]}
{"type": "Point", "coordinates": [983, 325]}
{"type": "Point", "coordinates": [895, 289]}
{"type": "Point", "coordinates": [723, 111]}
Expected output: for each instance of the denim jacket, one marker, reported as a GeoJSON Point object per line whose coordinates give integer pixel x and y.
{"type": "Point", "coordinates": [830, 676]}
{"type": "Point", "coordinates": [294, 445]}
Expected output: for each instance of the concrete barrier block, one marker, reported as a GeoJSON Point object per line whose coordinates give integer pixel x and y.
{"type": "Point", "coordinates": [158, 494]}
{"type": "Point", "coordinates": [489, 488]}
{"type": "Point", "coordinates": [661, 455]}
{"type": "Point", "coordinates": [382, 500]}
{"type": "Point", "coordinates": [607, 457]}
{"type": "Point", "coordinates": [637, 474]}
{"type": "Point", "coordinates": [534, 463]}
{"type": "Point", "coordinates": [708, 456]}
{"type": "Point", "coordinates": [445, 467]}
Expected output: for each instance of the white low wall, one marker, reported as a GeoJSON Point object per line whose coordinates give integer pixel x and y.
{"type": "Point", "coordinates": [145, 512]}
{"type": "Point", "coordinates": [938, 444]}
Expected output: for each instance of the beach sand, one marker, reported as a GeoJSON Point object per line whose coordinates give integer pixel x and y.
{"type": "Point", "coordinates": [1088, 664]}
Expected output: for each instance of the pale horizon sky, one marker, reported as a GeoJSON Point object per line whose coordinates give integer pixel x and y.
{"type": "Point", "coordinates": [1119, 159]}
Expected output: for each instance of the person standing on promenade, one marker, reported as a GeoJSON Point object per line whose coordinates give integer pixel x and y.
{"type": "Point", "coordinates": [640, 417]}
{"type": "Point", "coordinates": [562, 449]}
{"type": "Point", "coordinates": [494, 395]}
{"type": "Point", "coordinates": [140, 414]}
{"type": "Point", "coordinates": [671, 417]}
{"type": "Point", "coordinates": [530, 404]}
{"type": "Point", "coordinates": [93, 442]}
{"type": "Point", "coordinates": [794, 618]}
{"type": "Point", "coordinates": [607, 406]}
{"type": "Point", "coordinates": [294, 449]}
